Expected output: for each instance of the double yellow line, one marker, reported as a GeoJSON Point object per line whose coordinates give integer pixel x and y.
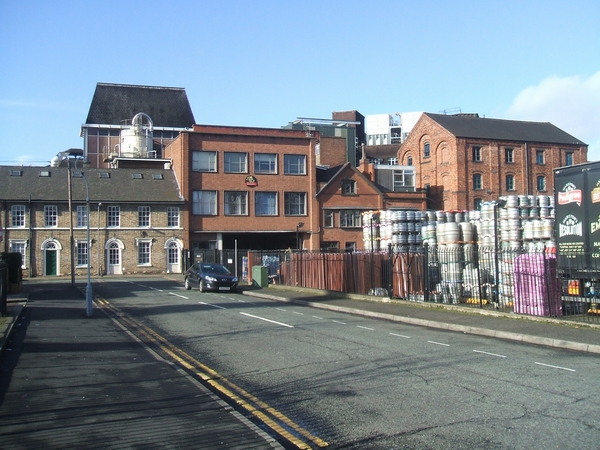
{"type": "Point", "coordinates": [259, 409]}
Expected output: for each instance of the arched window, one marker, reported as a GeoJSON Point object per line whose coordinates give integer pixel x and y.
{"type": "Point", "coordinates": [510, 182]}
{"type": "Point", "coordinates": [541, 183]}
{"type": "Point", "coordinates": [477, 182]}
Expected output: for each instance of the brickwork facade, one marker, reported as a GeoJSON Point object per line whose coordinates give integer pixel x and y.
{"type": "Point", "coordinates": [459, 173]}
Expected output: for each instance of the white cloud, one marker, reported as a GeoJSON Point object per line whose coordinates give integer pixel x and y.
{"type": "Point", "coordinates": [570, 103]}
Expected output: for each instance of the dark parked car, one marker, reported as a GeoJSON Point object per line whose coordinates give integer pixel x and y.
{"type": "Point", "coordinates": [210, 277]}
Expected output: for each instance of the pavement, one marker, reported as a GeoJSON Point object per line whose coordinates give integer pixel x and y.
{"type": "Point", "coordinates": [68, 380]}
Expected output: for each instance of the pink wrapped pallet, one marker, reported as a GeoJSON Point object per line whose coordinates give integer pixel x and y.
{"type": "Point", "coordinates": [537, 288]}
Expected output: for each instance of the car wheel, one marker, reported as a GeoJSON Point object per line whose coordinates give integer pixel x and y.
{"type": "Point", "coordinates": [187, 284]}
{"type": "Point", "coordinates": [201, 286]}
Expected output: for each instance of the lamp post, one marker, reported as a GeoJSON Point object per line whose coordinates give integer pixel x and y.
{"type": "Point", "coordinates": [88, 290]}
{"type": "Point", "coordinates": [300, 225]}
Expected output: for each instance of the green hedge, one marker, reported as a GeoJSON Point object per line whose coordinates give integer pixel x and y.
{"type": "Point", "coordinates": [14, 262]}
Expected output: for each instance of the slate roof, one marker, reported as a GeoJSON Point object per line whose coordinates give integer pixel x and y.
{"type": "Point", "coordinates": [473, 126]}
{"type": "Point", "coordinates": [166, 106]}
{"type": "Point", "coordinates": [120, 187]}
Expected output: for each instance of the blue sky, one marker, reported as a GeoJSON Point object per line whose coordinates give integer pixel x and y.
{"type": "Point", "coordinates": [265, 63]}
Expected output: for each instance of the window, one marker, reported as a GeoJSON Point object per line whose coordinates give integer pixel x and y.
{"type": "Point", "coordinates": [294, 203]}
{"type": "Point", "coordinates": [17, 216]}
{"type": "Point", "coordinates": [137, 176]}
{"type": "Point", "coordinates": [82, 216]}
{"type": "Point", "coordinates": [82, 253]}
{"type": "Point", "coordinates": [403, 179]}
{"type": "Point", "coordinates": [144, 252]}
{"type": "Point", "coordinates": [294, 164]}
{"type": "Point", "coordinates": [50, 216]}
{"type": "Point", "coordinates": [235, 162]}
{"type": "Point", "coordinates": [348, 187]}
{"type": "Point", "coordinates": [477, 183]}
{"type": "Point", "coordinates": [426, 150]}
{"type": "Point", "coordinates": [328, 218]}
{"type": "Point", "coordinates": [144, 216]}
{"type": "Point", "coordinates": [16, 173]}
{"type": "Point", "coordinates": [204, 203]}
{"type": "Point", "coordinates": [476, 154]}
{"type": "Point", "coordinates": [350, 246]}
{"type": "Point", "coordinates": [392, 161]}
{"type": "Point", "coordinates": [409, 161]}
{"type": "Point", "coordinates": [350, 218]}
{"type": "Point", "coordinates": [114, 216]}
{"type": "Point", "coordinates": [539, 156]}
{"type": "Point", "coordinates": [265, 203]}
{"type": "Point", "coordinates": [173, 217]}
{"type": "Point", "coordinates": [157, 176]}
{"type": "Point", "coordinates": [541, 183]}
{"type": "Point", "coordinates": [509, 155]}
{"type": "Point", "coordinates": [204, 161]}
{"type": "Point", "coordinates": [236, 203]}
{"type": "Point", "coordinates": [569, 159]}
{"type": "Point", "coordinates": [510, 182]}
{"type": "Point", "coordinates": [19, 246]}
{"type": "Point", "coordinates": [265, 163]}
{"type": "Point", "coordinates": [330, 246]}
{"type": "Point", "coordinates": [477, 204]}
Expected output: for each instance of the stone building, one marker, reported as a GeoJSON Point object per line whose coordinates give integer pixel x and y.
{"type": "Point", "coordinates": [134, 218]}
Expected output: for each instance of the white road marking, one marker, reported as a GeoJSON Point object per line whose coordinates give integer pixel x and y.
{"type": "Point", "coordinates": [400, 335]}
{"type": "Point", "coordinates": [214, 306]}
{"type": "Point", "coordinates": [299, 313]}
{"type": "Point", "coordinates": [281, 309]}
{"type": "Point", "coordinates": [365, 328]}
{"type": "Point", "coordinates": [142, 285]}
{"type": "Point", "coordinates": [488, 353]}
{"type": "Point", "coordinates": [336, 321]}
{"type": "Point", "coordinates": [317, 317]}
{"type": "Point", "coordinates": [155, 289]}
{"type": "Point", "coordinates": [439, 343]}
{"type": "Point", "coordinates": [177, 295]}
{"type": "Point", "coordinates": [267, 320]}
{"type": "Point", "coordinates": [555, 367]}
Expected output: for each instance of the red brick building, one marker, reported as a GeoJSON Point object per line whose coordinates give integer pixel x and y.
{"type": "Point", "coordinates": [254, 187]}
{"type": "Point", "coordinates": [463, 160]}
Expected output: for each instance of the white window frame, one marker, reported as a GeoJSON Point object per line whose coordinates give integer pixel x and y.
{"type": "Point", "coordinates": [113, 216]}
{"type": "Point", "coordinates": [350, 218]}
{"type": "Point", "coordinates": [80, 245]}
{"type": "Point", "coordinates": [20, 246]}
{"type": "Point", "coordinates": [328, 221]}
{"type": "Point", "coordinates": [204, 203]}
{"type": "Point", "coordinates": [231, 165]}
{"type": "Point", "coordinates": [204, 161]}
{"type": "Point", "coordinates": [144, 258]}
{"type": "Point", "coordinates": [235, 203]}
{"type": "Point", "coordinates": [17, 216]}
{"type": "Point", "coordinates": [144, 213]}
{"type": "Point", "coordinates": [348, 187]}
{"type": "Point", "coordinates": [50, 216]}
{"type": "Point", "coordinates": [294, 203]}
{"type": "Point", "coordinates": [510, 182]}
{"type": "Point", "coordinates": [265, 163]}
{"type": "Point", "coordinates": [173, 216]}
{"type": "Point", "coordinates": [477, 182]}
{"type": "Point", "coordinates": [294, 164]}
{"type": "Point", "coordinates": [82, 216]}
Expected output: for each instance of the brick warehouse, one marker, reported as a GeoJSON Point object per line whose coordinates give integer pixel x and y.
{"type": "Point", "coordinates": [463, 160]}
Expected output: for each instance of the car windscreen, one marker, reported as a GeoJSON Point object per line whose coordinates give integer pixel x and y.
{"type": "Point", "coordinates": [215, 268]}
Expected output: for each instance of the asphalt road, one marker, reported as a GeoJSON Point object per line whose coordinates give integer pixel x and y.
{"type": "Point", "coordinates": [361, 383]}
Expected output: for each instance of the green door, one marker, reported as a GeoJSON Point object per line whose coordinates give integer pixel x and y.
{"type": "Point", "coordinates": [50, 262]}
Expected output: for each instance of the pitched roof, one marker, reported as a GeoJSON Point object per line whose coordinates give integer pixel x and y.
{"type": "Point", "coordinates": [327, 176]}
{"type": "Point", "coordinates": [166, 106]}
{"type": "Point", "coordinates": [473, 126]}
{"type": "Point", "coordinates": [120, 186]}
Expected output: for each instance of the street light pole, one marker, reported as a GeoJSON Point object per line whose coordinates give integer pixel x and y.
{"type": "Point", "coordinates": [88, 290]}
